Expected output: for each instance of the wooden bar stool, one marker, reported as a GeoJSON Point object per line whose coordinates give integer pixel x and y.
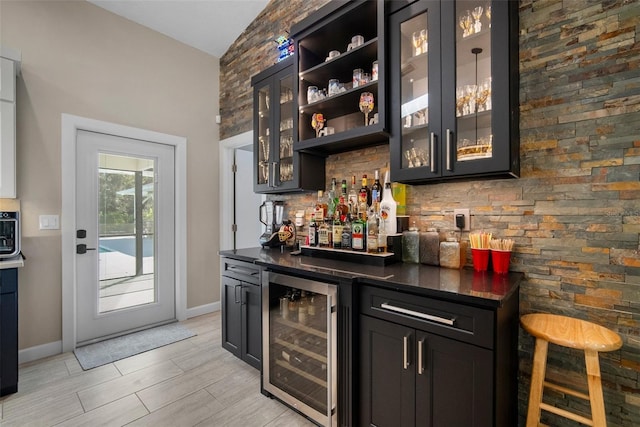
{"type": "Point", "coordinates": [572, 333]}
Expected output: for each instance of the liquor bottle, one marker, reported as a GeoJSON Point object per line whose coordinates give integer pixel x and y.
{"type": "Point", "coordinates": [343, 209]}
{"type": "Point", "coordinates": [365, 192]}
{"type": "Point", "coordinates": [313, 232]}
{"type": "Point", "coordinates": [388, 209]}
{"type": "Point", "coordinates": [332, 199]}
{"type": "Point", "coordinates": [372, 231]}
{"type": "Point", "coordinates": [358, 238]}
{"type": "Point", "coordinates": [303, 308]}
{"type": "Point", "coordinates": [346, 232]}
{"type": "Point", "coordinates": [321, 208]}
{"type": "Point", "coordinates": [337, 231]}
{"type": "Point", "coordinates": [376, 189]}
{"type": "Point", "coordinates": [325, 234]}
{"type": "Point", "coordinates": [353, 197]}
{"type": "Point", "coordinates": [382, 236]}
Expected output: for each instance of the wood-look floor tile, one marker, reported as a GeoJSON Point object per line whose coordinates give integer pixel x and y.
{"type": "Point", "coordinates": [252, 410]}
{"type": "Point", "coordinates": [22, 402]}
{"type": "Point", "coordinates": [290, 419]}
{"type": "Point", "coordinates": [117, 388]}
{"type": "Point", "coordinates": [152, 357]}
{"type": "Point", "coordinates": [169, 391]}
{"type": "Point", "coordinates": [117, 413]}
{"type": "Point", "coordinates": [188, 411]}
{"type": "Point", "coordinates": [49, 410]}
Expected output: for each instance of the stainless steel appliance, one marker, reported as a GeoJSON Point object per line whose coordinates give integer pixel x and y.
{"type": "Point", "coordinates": [271, 215]}
{"type": "Point", "coordinates": [299, 357]}
{"type": "Point", "coordinates": [9, 234]}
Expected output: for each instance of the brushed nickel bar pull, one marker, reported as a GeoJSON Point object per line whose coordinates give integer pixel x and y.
{"type": "Point", "coordinates": [420, 361]}
{"type": "Point", "coordinates": [432, 154]}
{"type": "Point", "coordinates": [235, 294]}
{"type": "Point", "coordinates": [425, 316]}
{"type": "Point", "coordinates": [448, 149]}
{"type": "Point", "coordinates": [405, 355]}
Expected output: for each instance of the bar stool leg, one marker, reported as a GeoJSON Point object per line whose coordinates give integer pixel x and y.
{"type": "Point", "coordinates": [595, 388]}
{"type": "Point", "coordinates": [537, 382]}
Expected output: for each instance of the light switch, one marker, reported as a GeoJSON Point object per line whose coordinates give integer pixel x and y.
{"type": "Point", "coordinates": [49, 222]}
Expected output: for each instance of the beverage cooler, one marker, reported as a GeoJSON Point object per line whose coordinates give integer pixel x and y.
{"type": "Point", "coordinates": [299, 344]}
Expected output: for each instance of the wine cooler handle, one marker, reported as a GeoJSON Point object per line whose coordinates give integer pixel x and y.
{"type": "Point", "coordinates": [405, 352]}
{"type": "Point", "coordinates": [432, 154]}
{"type": "Point", "coordinates": [418, 314]}
{"type": "Point", "coordinates": [448, 149]}
{"type": "Point", "coordinates": [420, 357]}
{"type": "Point", "coordinates": [235, 293]}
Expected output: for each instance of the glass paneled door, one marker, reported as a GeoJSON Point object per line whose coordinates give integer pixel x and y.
{"type": "Point", "coordinates": [125, 235]}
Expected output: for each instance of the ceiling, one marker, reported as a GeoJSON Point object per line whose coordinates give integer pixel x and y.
{"type": "Point", "coordinates": [209, 25]}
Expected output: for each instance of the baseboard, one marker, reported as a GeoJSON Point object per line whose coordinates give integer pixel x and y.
{"type": "Point", "coordinates": [203, 309]}
{"type": "Point", "coordinates": [39, 351]}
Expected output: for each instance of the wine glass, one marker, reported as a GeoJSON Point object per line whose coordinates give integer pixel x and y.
{"type": "Point", "coordinates": [477, 14]}
{"type": "Point", "coordinates": [366, 105]}
{"type": "Point", "coordinates": [417, 43]}
{"type": "Point", "coordinates": [488, 13]}
{"type": "Point", "coordinates": [423, 38]}
{"type": "Point", "coordinates": [466, 22]}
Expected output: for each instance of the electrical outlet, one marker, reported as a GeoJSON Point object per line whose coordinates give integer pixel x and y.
{"type": "Point", "coordinates": [467, 218]}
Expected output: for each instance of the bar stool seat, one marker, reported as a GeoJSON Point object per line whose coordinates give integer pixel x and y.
{"type": "Point", "coordinates": [573, 333]}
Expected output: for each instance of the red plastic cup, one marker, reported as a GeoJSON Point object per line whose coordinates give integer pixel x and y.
{"type": "Point", "coordinates": [500, 260]}
{"type": "Point", "coordinates": [480, 259]}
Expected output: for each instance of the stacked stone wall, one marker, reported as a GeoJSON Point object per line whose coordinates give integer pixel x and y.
{"type": "Point", "coordinates": [575, 211]}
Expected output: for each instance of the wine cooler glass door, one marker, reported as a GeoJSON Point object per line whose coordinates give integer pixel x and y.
{"type": "Point", "coordinates": [299, 345]}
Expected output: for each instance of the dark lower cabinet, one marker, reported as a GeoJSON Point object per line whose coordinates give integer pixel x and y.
{"type": "Point", "coordinates": [412, 378]}
{"type": "Point", "coordinates": [433, 363]}
{"type": "Point", "coordinates": [241, 311]}
{"type": "Point", "coordinates": [8, 331]}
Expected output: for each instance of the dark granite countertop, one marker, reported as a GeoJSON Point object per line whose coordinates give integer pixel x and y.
{"type": "Point", "coordinates": [464, 285]}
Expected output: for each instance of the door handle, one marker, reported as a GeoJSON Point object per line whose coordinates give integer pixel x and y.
{"type": "Point", "coordinates": [432, 154]}
{"type": "Point", "coordinates": [81, 248]}
{"type": "Point", "coordinates": [235, 293]}
{"type": "Point", "coordinates": [449, 149]}
{"type": "Point", "coordinates": [81, 234]}
{"type": "Point", "coordinates": [420, 357]}
{"type": "Point", "coordinates": [405, 352]}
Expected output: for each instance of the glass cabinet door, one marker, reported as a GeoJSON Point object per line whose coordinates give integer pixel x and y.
{"type": "Point", "coordinates": [263, 98]}
{"type": "Point", "coordinates": [474, 138]}
{"type": "Point", "coordinates": [285, 141]}
{"type": "Point", "coordinates": [415, 63]}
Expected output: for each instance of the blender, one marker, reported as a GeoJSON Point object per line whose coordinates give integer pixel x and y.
{"type": "Point", "coordinates": [271, 213]}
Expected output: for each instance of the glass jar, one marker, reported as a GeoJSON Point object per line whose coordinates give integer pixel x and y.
{"type": "Point", "coordinates": [312, 94]}
{"type": "Point", "coordinates": [450, 253]}
{"type": "Point", "coordinates": [374, 71]}
{"type": "Point", "coordinates": [411, 245]}
{"type": "Point", "coordinates": [430, 247]}
{"type": "Point", "coordinates": [357, 77]}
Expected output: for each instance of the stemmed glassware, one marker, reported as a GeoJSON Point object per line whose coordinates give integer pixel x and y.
{"type": "Point", "coordinates": [423, 38]}
{"type": "Point", "coordinates": [366, 105]}
{"type": "Point", "coordinates": [477, 14]}
{"type": "Point", "coordinates": [488, 13]}
{"type": "Point", "coordinates": [466, 23]}
{"type": "Point", "coordinates": [417, 43]}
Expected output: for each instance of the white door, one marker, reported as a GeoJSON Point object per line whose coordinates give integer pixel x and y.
{"type": "Point", "coordinates": [247, 203]}
{"type": "Point", "coordinates": [125, 271]}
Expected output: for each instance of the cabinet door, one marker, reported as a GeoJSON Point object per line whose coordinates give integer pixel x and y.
{"type": "Point", "coordinates": [387, 374]}
{"type": "Point", "coordinates": [252, 325]}
{"type": "Point", "coordinates": [8, 331]}
{"type": "Point", "coordinates": [479, 90]}
{"type": "Point", "coordinates": [232, 315]}
{"type": "Point", "coordinates": [454, 383]}
{"type": "Point", "coordinates": [416, 141]}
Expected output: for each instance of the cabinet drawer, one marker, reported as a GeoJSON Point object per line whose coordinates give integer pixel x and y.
{"type": "Point", "coordinates": [241, 270]}
{"type": "Point", "coordinates": [452, 320]}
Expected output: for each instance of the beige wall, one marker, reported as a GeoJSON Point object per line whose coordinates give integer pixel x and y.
{"type": "Point", "coordinates": [82, 60]}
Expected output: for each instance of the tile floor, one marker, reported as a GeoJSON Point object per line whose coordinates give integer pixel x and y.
{"type": "Point", "coordinates": [194, 382]}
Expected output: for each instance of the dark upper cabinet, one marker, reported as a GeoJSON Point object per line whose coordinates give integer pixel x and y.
{"type": "Point", "coordinates": [331, 45]}
{"type": "Point", "coordinates": [277, 167]}
{"type": "Point", "coordinates": [453, 89]}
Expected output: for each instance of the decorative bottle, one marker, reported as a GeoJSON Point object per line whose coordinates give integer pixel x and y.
{"type": "Point", "coordinates": [430, 247]}
{"type": "Point", "coordinates": [388, 209]}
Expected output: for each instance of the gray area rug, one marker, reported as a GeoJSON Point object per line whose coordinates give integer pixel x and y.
{"type": "Point", "coordinates": [101, 353]}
